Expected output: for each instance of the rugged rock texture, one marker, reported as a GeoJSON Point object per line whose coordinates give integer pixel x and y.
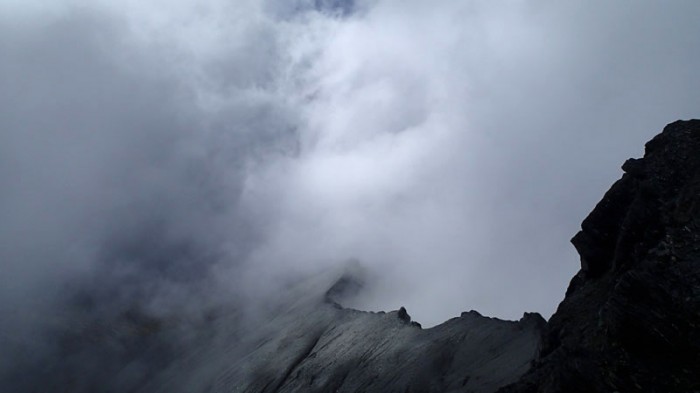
{"type": "Point", "coordinates": [630, 321]}
{"type": "Point", "coordinates": [315, 345]}
{"type": "Point", "coordinates": [362, 352]}
{"type": "Point", "coordinates": [308, 343]}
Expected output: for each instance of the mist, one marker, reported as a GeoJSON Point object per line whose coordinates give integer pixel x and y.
{"type": "Point", "coordinates": [178, 156]}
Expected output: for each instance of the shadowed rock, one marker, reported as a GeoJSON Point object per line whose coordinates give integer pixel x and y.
{"type": "Point", "coordinates": [630, 321]}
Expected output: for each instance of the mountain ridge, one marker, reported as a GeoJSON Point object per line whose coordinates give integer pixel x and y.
{"type": "Point", "coordinates": [629, 321]}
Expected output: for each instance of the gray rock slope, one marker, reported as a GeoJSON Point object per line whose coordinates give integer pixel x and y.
{"type": "Point", "coordinates": [362, 352]}
{"type": "Point", "coordinates": [316, 345]}
{"type": "Point", "coordinates": [307, 343]}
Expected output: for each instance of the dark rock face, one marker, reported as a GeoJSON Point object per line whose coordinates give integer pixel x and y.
{"type": "Point", "coordinates": [630, 321]}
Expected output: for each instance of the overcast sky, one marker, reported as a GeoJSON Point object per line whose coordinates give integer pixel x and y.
{"type": "Point", "coordinates": [151, 149]}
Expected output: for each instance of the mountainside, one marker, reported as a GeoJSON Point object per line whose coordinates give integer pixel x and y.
{"type": "Point", "coordinates": [312, 344]}
{"type": "Point", "coordinates": [307, 343]}
{"type": "Point", "coordinates": [629, 322]}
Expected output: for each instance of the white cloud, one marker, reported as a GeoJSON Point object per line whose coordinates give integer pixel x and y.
{"type": "Point", "coordinates": [454, 147]}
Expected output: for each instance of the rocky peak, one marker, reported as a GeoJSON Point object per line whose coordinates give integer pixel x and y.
{"type": "Point", "coordinates": [630, 318]}
{"type": "Point", "coordinates": [635, 215]}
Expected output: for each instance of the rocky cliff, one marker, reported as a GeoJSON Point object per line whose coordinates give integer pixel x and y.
{"type": "Point", "coordinates": [630, 321]}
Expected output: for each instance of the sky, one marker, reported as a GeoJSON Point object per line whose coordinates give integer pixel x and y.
{"type": "Point", "coordinates": [182, 153]}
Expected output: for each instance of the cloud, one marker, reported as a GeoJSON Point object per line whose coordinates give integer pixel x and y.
{"type": "Point", "coordinates": [456, 148]}
{"type": "Point", "coordinates": [174, 154]}
{"type": "Point", "coordinates": [118, 183]}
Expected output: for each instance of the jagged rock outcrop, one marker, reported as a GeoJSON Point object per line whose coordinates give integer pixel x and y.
{"type": "Point", "coordinates": [630, 321]}
{"type": "Point", "coordinates": [316, 345]}
{"type": "Point", "coordinates": [363, 352]}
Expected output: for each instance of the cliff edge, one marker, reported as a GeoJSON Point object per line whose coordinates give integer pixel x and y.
{"type": "Point", "coordinates": [630, 321]}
